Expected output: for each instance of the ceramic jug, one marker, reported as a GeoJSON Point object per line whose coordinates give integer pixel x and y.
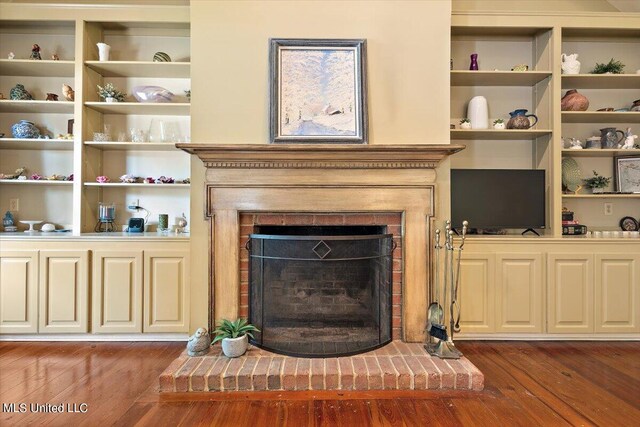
{"type": "Point", "coordinates": [570, 64]}
{"type": "Point", "coordinates": [609, 137]}
{"type": "Point", "coordinates": [520, 119]}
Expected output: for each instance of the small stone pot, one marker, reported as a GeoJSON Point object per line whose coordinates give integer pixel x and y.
{"type": "Point", "coordinates": [574, 101]}
{"type": "Point", "coordinates": [235, 347]}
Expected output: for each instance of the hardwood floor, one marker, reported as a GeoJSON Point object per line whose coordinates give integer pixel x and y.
{"type": "Point", "coordinates": [551, 383]}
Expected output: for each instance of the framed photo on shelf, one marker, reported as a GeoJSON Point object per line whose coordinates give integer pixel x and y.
{"type": "Point", "coordinates": [318, 91]}
{"type": "Point", "coordinates": [627, 173]}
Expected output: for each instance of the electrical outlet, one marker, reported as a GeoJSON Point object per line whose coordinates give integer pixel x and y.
{"type": "Point", "coordinates": [608, 208]}
{"type": "Point", "coordinates": [14, 205]}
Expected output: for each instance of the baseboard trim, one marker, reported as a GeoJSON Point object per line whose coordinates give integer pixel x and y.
{"type": "Point", "coordinates": [95, 337]}
{"type": "Point", "coordinates": [548, 337]}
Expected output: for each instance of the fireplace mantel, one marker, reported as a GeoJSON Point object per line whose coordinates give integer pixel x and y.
{"type": "Point", "coordinates": [325, 156]}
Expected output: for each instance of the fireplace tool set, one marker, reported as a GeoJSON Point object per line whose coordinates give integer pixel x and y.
{"type": "Point", "coordinates": [440, 338]}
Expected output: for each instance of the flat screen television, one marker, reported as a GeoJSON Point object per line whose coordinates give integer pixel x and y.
{"type": "Point", "coordinates": [498, 198]}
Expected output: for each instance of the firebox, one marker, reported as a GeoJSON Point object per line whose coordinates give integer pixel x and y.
{"type": "Point", "coordinates": [320, 291]}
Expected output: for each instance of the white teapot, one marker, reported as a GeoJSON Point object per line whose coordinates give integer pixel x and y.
{"type": "Point", "coordinates": [570, 64]}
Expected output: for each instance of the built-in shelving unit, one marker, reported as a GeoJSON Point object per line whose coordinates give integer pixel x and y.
{"type": "Point", "coordinates": [598, 45]}
{"type": "Point", "coordinates": [133, 44]}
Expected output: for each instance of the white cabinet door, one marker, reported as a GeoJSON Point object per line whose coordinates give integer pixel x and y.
{"type": "Point", "coordinates": [64, 291]}
{"type": "Point", "coordinates": [166, 291]}
{"type": "Point", "coordinates": [476, 294]}
{"type": "Point", "coordinates": [117, 291]}
{"type": "Point", "coordinates": [617, 293]}
{"type": "Point", "coordinates": [570, 299]}
{"type": "Point", "coordinates": [18, 292]}
{"type": "Point", "coordinates": [519, 292]}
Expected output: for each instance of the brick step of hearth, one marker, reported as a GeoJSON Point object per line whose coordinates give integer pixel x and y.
{"type": "Point", "coordinates": [396, 366]}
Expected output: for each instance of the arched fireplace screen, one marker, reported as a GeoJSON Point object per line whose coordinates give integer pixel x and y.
{"type": "Point", "coordinates": [320, 291]}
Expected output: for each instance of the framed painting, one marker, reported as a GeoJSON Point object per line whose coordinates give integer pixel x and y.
{"type": "Point", "coordinates": [318, 91]}
{"type": "Point", "coordinates": [627, 174]}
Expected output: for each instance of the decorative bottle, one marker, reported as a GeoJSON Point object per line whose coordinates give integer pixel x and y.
{"type": "Point", "coordinates": [474, 62]}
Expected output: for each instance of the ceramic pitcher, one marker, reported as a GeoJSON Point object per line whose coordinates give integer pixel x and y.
{"type": "Point", "coordinates": [609, 137]}
{"type": "Point", "coordinates": [520, 119]}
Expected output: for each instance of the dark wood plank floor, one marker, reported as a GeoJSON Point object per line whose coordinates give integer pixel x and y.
{"type": "Point", "coordinates": [555, 384]}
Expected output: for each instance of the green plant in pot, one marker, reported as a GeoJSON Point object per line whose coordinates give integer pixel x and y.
{"type": "Point", "coordinates": [597, 183]}
{"type": "Point", "coordinates": [110, 93]}
{"type": "Point", "coordinates": [612, 67]}
{"type": "Point", "coordinates": [234, 336]}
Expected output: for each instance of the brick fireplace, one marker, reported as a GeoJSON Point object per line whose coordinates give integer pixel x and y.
{"type": "Point", "coordinates": [251, 187]}
{"type": "Point", "coordinates": [392, 185]}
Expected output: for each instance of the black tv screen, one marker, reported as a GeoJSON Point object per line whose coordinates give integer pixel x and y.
{"type": "Point", "coordinates": [498, 198]}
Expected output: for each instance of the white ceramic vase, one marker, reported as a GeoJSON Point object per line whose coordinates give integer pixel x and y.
{"type": "Point", "coordinates": [478, 112]}
{"type": "Point", "coordinates": [235, 347]}
{"type": "Point", "coordinates": [103, 51]}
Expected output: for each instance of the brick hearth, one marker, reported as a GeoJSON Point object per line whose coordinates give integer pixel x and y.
{"type": "Point", "coordinates": [396, 366]}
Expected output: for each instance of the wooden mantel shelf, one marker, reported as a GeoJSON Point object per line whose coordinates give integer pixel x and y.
{"type": "Point", "coordinates": [325, 156]}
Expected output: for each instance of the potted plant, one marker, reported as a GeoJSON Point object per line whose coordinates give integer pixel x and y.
{"type": "Point", "coordinates": [110, 93]}
{"type": "Point", "coordinates": [234, 336]}
{"type": "Point", "coordinates": [613, 67]}
{"type": "Point", "coordinates": [498, 124]}
{"type": "Point", "coordinates": [465, 124]}
{"type": "Point", "coordinates": [597, 183]}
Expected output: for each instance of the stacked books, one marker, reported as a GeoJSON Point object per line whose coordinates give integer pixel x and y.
{"type": "Point", "coordinates": [571, 227]}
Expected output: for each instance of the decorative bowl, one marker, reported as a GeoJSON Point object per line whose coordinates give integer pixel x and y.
{"type": "Point", "coordinates": [152, 94]}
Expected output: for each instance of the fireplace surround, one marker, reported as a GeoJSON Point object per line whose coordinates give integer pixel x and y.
{"type": "Point", "coordinates": [337, 179]}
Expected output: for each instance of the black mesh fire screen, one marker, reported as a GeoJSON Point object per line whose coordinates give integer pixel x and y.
{"type": "Point", "coordinates": [320, 291]}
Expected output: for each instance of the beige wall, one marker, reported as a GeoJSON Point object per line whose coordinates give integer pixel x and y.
{"type": "Point", "coordinates": [408, 76]}
{"type": "Point", "coordinates": [533, 5]}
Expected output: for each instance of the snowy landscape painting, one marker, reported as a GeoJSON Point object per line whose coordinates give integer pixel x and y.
{"type": "Point", "coordinates": [318, 91]}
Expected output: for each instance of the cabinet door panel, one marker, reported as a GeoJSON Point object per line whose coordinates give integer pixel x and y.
{"type": "Point", "coordinates": [519, 292]}
{"type": "Point", "coordinates": [477, 293]}
{"type": "Point", "coordinates": [166, 291]}
{"type": "Point", "coordinates": [570, 293]}
{"type": "Point", "coordinates": [63, 291]}
{"type": "Point", "coordinates": [117, 291]}
{"type": "Point", "coordinates": [18, 292]}
{"type": "Point", "coordinates": [617, 295]}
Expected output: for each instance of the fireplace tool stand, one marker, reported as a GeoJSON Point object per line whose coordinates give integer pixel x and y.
{"type": "Point", "coordinates": [440, 343]}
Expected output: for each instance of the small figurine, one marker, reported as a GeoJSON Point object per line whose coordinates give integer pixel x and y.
{"type": "Point", "coordinates": [36, 177]}
{"type": "Point", "coordinates": [35, 52]}
{"type": "Point", "coordinates": [9, 223]}
{"type": "Point", "coordinates": [149, 180]}
{"type": "Point", "coordinates": [181, 224]}
{"type": "Point", "coordinates": [11, 55]}
{"type": "Point", "coordinates": [18, 173]}
{"type": "Point", "coordinates": [51, 97]}
{"type": "Point", "coordinates": [199, 343]}
{"type": "Point", "coordinates": [575, 144]}
{"type": "Point", "coordinates": [19, 93]}
{"type": "Point", "coordinates": [102, 179]}
{"type": "Point", "coordinates": [165, 180]}
{"type": "Point", "coordinates": [520, 67]}
{"type": "Point", "coordinates": [629, 140]}
{"type": "Point", "coordinates": [128, 179]}
{"type": "Point", "coordinates": [55, 57]}
{"type": "Point", "coordinates": [68, 93]}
